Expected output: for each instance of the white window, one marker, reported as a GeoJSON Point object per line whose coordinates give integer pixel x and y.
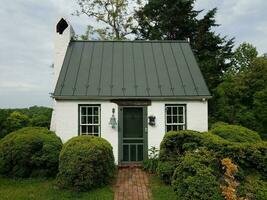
{"type": "Point", "coordinates": [175, 117]}
{"type": "Point", "coordinates": [89, 120]}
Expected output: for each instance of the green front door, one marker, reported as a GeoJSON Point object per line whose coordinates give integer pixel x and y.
{"type": "Point", "coordinates": [133, 140]}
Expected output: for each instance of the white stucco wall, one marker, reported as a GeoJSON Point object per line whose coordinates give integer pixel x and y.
{"type": "Point", "coordinates": [66, 120]}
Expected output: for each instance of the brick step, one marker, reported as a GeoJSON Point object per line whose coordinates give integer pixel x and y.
{"type": "Point", "coordinates": [130, 165]}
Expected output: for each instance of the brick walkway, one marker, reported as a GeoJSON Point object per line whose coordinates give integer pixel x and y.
{"type": "Point", "coordinates": [132, 184]}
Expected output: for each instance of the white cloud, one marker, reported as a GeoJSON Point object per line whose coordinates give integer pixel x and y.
{"type": "Point", "coordinates": [18, 86]}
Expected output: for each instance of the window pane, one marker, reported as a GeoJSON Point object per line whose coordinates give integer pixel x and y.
{"type": "Point", "coordinates": [181, 119]}
{"type": "Point", "coordinates": [168, 110]}
{"type": "Point", "coordinates": [96, 129]}
{"type": "Point", "coordinates": [169, 119]}
{"type": "Point", "coordinates": [89, 110]}
{"type": "Point", "coordinates": [89, 120]}
{"type": "Point", "coordinates": [90, 129]}
{"type": "Point", "coordinates": [95, 110]}
{"type": "Point", "coordinates": [83, 121]}
{"type": "Point", "coordinates": [175, 118]}
{"type": "Point", "coordinates": [181, 110]}
{"type": "Point", "coordinates": [181, 127]}
{"type": "Point", "coordinates": [83, 129]}
{"type": "Point", "coordinates": [174, 128]}
{"type": "Point", "coordinates": [83, 110]}
{"type": "Point", "coordinates": [168, 128]}
{"type": "Point", "coordinates": [175, 110]}
{"type": "Point", "coordinates": [95, 119]}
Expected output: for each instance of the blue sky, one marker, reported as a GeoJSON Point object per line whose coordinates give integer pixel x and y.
{"type": "Point", "coordinates": [26, 41]}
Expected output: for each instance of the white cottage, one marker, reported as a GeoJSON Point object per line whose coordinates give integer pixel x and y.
{"type": "Point", "coordinates": [128, 92]}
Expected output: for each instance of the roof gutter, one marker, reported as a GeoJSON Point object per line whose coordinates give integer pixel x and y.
{"type": "Point", "coordinates": [200, 98]}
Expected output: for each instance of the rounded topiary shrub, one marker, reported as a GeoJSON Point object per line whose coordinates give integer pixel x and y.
{"type": "Point", "coordinates": [195, 176]}
{"type": "Point", "coordinates": [30, 151]}
{"type": "Point", "coordinates": [235, 133]}
{"type": "Point", "coordinates": [85, 162]}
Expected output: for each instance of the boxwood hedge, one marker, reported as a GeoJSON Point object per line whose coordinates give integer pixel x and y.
{"type": "Point", "coordinates": [85, 162]}
{"type": "Point", "coordinates": [175, 144]}
{"type": "Point", "coordinates": [30, 151]}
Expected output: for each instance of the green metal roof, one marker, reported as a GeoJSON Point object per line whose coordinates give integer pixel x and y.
{"type": "Point", "coordinates": [130, 69]}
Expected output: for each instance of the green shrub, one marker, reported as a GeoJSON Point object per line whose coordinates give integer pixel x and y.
{"type": "Point", "coordinates": [85, 162]}
{"type": "Point", "coordinates": [172, 147]}
{"type": "Point", "coordinates": [151, 163]}
{"type": "Point", "coordinates": [165, 170]}
{"type": "Point", "coordinates": [253, 187]}
{"type": "Point", "coordinates": [28, 152]}
{"type": "Point", "coordinates": [216, 124]}
{"type": "Point", "coordinates": [195, 177]}
{"type": "Point", "coordinates": [234, 133]}
{"type": "Point", "coordinates": [175, 144]}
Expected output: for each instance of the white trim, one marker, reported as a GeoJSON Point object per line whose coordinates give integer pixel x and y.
{"type": "Point", "coordinates": [92, 125]}
{"type": "Point", "coordinates": [177, 124]}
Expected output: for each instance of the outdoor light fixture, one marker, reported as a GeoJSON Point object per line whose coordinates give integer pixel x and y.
{"type": "Point", "coordinates": [112, 121]}
{"type": "Point", "coordinates": [152, 120]}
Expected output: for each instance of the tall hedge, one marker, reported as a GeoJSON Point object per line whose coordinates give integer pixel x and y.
{"type": "Point", "coordinates": [29, 152]}
{"type": "Point", "coordinates": [85, 162]}
{"type": "Point", "coordinates": [175, 144]}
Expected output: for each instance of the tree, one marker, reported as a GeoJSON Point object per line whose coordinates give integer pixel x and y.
{"type": "Point", "coordinates": [13, 119]}
{"type": "Point", "coordinates": [115, 17]}
{"type": "Point", "coordinates": [260, 102]}
{"type": "Point", "coordinates": [178, 20]}
{"type": "Point", "coordinates": [40, 116]}
{"type": "Point", "coordinates": [241, 97]}
{"type": "Point", "coordinates": [243, 57]}
{"type": "Point", "coordinates": [17, 120]}
{"type": "Point", "coordinates": [4, 113]}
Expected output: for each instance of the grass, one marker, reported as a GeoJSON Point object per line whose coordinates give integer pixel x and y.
{"type": "Point", "coordinates": [161, 191]}
{"type": "Point", "coordinates": [43, 189]}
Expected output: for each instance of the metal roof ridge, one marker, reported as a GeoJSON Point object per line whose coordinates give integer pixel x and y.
{"type": "Point", "coordinates": [156, 69]}
{"type": "Point", "coordinates": [178, 70]}
{"type": "Point", "coordinates": [133, 57]}
{"type": "Point", "coordinates": [66, 69]}
{"type": "Point", "coordinates": [147, 83]}
{"type": "Point", "coordinates": [187, 65]}
{"type": "Point", "coordinates": [79, 66]}
{"type": "Point", "coordinates": [101, 68]}
{"type": "Point", "coordinates": [135, 41]}
{"type": "Point", "coordinates": [166, 67]}
{"type": "Point", "coordinates": [89, 70]}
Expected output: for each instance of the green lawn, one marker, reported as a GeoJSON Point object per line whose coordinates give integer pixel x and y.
{"type": "Point", "coordinates": [159, 190]}
{"type": "Point", "coordinates": [41, 189]}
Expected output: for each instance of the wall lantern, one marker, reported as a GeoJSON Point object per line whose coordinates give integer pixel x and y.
{"type": "Point", "coordinates": [112, 121]}
{"type": "Point", "coordinates": [152, 120]}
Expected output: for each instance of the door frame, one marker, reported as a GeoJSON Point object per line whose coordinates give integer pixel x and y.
{"type": "Point", "coordinates": [120, 132]}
